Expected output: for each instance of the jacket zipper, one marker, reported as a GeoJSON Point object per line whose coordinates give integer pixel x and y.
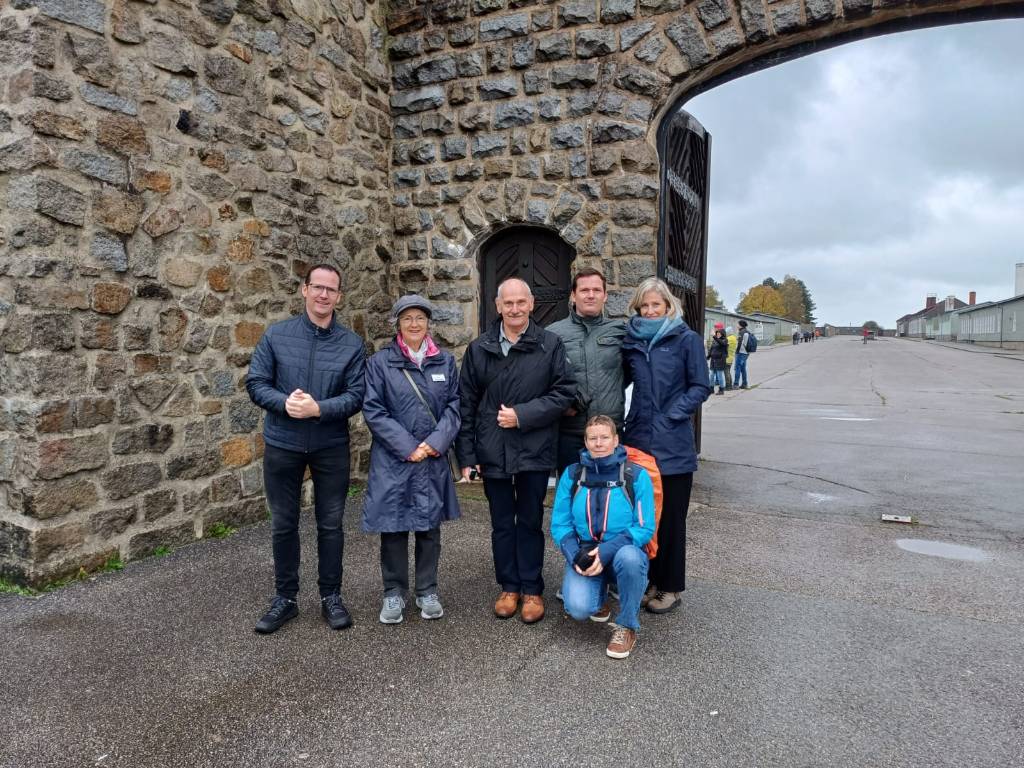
{"type": "Point", "coordinates": [309, 381]}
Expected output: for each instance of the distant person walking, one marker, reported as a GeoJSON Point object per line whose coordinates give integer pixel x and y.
{"type": "Point", "coordinates": [307, 374]}
{"type": "Point", "coordinates": [412, 411]}
{"type": "Point", "coordinates": [718, 354]}
{"type": "Point", "coordinates": [796, 337]}
{"type": "Point", "coordinates": [731, 336]}
{"type": "Point", "coordinates": [664, 359]}
{"type": "Point", "coordinates": [742, 353]}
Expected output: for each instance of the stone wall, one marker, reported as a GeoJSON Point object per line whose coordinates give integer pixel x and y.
{"type": "Point", "coordinates": [168, 171]}
{"type": "Point", "coordinates": [170, 168]}
{"type": "Point", "coordinates": [545, 113]}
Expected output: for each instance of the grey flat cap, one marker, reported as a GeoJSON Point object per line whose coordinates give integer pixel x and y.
{"type": "Point", "coordinates": [408, 302]}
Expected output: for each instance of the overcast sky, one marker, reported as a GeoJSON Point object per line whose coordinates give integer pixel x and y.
{"type": "Point", "coordinates": [877, 172]}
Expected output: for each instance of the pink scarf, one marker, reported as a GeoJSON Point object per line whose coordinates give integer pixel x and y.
{"type": "Point", "coordinates": [432, 348]}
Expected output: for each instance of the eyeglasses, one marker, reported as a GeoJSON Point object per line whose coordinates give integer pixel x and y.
{"type": "Point", "coordinates": [413, 319]}
{"type": "Point", "coordinates": [317, 290]}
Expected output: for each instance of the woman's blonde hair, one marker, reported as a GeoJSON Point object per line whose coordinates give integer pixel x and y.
{"type": "Point", "coordinates": [659, 286]}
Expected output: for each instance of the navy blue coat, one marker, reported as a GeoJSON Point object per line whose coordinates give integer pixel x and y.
{"type": "Point", "coordinates": [667, 390]}
{"type": "Point", "coordinates": [326, 363]}
{"type": "Point", "coordinates": [402, 495]}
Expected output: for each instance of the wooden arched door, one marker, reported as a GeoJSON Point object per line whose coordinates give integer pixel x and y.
{"type": "Point", "coordinates": [538, 256]}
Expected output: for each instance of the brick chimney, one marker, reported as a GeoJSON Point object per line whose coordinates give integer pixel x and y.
{"type": "Point", "coordinates": [929, 301]}
{"type": "Point", "coordinates": [971, 298]}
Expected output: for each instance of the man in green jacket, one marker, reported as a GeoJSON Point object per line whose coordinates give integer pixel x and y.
{"type": "Point", "coordinates": [593, 343]}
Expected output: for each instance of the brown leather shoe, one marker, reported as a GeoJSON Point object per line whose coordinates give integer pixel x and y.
{"type": "Point", "coordinates": [533, 609]}
{"type": "Point", "coordinates": [506, 605]}
{"type": "Point", "coordinates": [622, 643]}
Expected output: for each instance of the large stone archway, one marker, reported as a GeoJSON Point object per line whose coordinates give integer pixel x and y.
{"type": "Point", "coordinates": [512, 111]}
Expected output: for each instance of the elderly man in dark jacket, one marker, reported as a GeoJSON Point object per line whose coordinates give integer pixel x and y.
{"type": "Point", "coordinates": [515, 385]}
{"type": "Point", "coordinates": [307, 374]}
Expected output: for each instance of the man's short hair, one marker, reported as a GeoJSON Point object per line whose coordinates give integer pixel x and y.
{"type": "Point", "coordinates": [743, 323]}
{"type": "Point", "coordinates": [529, 292]}
{"type": "Point", "coordinates": [588, 272]}
{"type": "Point", "coordinates": [600, 421]}
{"type": "Point", "coordinates": [315, 267]}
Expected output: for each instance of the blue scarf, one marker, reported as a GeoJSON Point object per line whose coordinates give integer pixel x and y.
{"type": "Point", "coordinates": [652, 330]}
{"type": "Point", "coordinates": [599, 472]}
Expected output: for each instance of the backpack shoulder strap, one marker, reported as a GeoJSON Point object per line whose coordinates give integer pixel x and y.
{"type": "Point", "coordinates": [579, 474]}
{"type": "Point", "coordinates": [627, 476]}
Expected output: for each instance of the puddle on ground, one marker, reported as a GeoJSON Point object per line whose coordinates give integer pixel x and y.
{"type": "Point", "coordinates": [820, 498]}
{"type": "Point", "coordinates": [942, 549]}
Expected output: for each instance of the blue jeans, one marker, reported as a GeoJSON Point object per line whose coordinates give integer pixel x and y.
{"type": "Point", "coordinates": [584, 595]}
{"type": "Point", "coordinates": [740, 375]}
{"type": "Point", "coordinates": [717, 377]}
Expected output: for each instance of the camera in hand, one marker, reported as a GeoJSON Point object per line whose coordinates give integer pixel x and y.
{"type": "Point", "coordinates": [584, 559]}
{"type": "Point", "coordinates": [474, 474]}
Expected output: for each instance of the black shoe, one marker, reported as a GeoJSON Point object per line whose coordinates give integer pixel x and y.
{"type": "Point", "coordinates": [281, 610]}
{"type": "Point", "coordinates": [335, 613]}
{"type": "Point", "coordinates": [743, 386]}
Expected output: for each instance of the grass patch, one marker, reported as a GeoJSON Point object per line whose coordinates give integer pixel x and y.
{"type": "Point", "coordinates": [162, 551]}
{"type": "Point", "coordinates": [219, 531]}
{"type": "Point", "coordinates": [10, 588]}
{"type": "Point", "coordinates": [354, 489]}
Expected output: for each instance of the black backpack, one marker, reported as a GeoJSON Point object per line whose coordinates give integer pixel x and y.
{"type": "Point", "coordinates": [751, 343]}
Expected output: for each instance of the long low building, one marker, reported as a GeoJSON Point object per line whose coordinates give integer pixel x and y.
{"type": "Point", "coordinates": [767, 328]}
{"type": "Point", "coordinates": [993, 324]}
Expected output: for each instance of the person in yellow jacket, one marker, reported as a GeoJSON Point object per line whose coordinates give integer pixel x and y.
{"type": "Point", "coordinates": [732, 354]}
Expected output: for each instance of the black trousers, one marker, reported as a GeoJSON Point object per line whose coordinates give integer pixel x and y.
{"type": "Point", "coordinates": [283, 472]}
{"type": "Point", "coordinates": [394, 562]}
{"type": "Point", "coordinates": [517, 530]}
{"type": "Point", "coordinates": [668, 569]}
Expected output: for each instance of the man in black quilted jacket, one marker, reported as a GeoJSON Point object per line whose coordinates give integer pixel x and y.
{"type": "Point", "coordinates": [307, 374]}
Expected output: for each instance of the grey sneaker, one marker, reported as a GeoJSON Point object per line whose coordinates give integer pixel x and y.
{"type": "Point", "coordinates": [663, 602]}
{"type": "Point", "coordinates": [391, 611]}
{"type": "Point", "coordinates": [430, 606]}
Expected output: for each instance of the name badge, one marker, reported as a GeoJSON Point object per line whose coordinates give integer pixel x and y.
{"type": "Point", "coordinates": [437, 377]}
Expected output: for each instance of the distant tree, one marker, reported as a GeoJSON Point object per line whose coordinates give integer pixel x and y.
{"type": "Point", "coordinates": [871, 325]}
{"type": "Point", "coordinates": [770, 282]}
{"type": "Point", "coordinates": [711, 297]}
{"type": "Point", "coordinates": [809, 305]}
{"type": "Point", "coordinates": [761, 298]}
{"type": "Point", "coordinates": [793, 299]}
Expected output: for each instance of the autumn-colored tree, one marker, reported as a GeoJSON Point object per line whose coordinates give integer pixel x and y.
{"type": "Point", "coordinates": [761, 298]}
{"type": "Point", "coordinates": [792, 294]}
{"type": "Point", "coordinates": [711, 297]}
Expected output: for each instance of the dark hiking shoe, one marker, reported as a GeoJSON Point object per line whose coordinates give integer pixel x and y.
{"type": "Point", "coordinates": [281, 610]}
{"type": "Point", "coordinates": [334, 612]}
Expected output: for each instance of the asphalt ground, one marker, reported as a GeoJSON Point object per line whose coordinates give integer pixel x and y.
{"type": "Point", "coordinates": [807, 637]}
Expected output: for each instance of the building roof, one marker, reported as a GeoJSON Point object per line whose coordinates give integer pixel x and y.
{"type": "Point", "coordinates": [992, 303]}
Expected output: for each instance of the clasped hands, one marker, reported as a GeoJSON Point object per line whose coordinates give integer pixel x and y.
{"type": "Point", "coordinates": [423, 451]}
{"type": "Point", "coordinates": [301, 405]}
{"type": "Point", "coordinates": [507, 418]}
{"type": "Point", "coordinates": [595, 567]}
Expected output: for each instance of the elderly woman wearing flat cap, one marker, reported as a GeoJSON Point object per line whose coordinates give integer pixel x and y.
{"type": "Point", "coordinates": [412, 410]}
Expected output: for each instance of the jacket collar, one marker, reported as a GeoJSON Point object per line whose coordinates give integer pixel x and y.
{"type": "Point", "coordinates": [397, 359]}
{"type": "Point", "coordinates": [315, 329]}
{"type": "Point", "coordinates": [530, 338]}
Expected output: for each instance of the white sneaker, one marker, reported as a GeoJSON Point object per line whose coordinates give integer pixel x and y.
{"type": "Point", "coordinates": [391, 611]}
